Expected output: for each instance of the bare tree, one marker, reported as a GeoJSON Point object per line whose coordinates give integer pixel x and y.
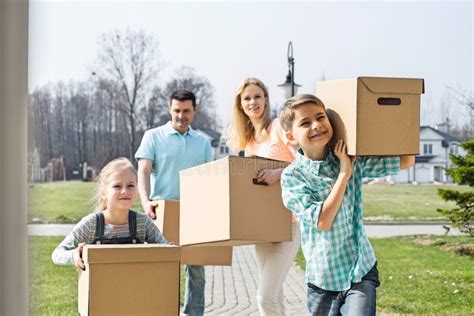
{"type": "Point", "coordinates": [129, 59]}
{"type": "Point", "coordinates": [466, 99]}
{"type": "Point", "coordinates": [446, 112]}
{"type": "Point", "coordinates": [156, 112]}
{"type": "Point", "coordinates": [40, 104]}
{"type": "Point", "coordinates": [103, 117]}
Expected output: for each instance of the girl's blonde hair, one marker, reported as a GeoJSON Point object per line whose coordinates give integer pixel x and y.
{"type": "Point", "coordinates": [121, 163]}
{"type": "Point", "coordinates": [241, 129]}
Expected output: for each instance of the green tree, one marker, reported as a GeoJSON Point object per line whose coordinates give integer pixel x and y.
{"type": "Point", "coordinates": [462, 216]}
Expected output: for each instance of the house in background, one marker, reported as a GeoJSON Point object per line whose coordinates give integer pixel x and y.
{"type": "Point", "coordinates": [435, 147]}
{"type": "Point", "coordinates": [219, 148]}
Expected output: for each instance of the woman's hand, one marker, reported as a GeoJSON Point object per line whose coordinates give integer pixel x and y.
{"type": "Point", "coordinates": [269, 176]}
{"type": "Point", "coordinates": [77, 255]}
{"type": "Point", "coordinates": [347, 162]}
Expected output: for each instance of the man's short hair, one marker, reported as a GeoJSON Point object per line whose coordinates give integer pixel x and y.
{"type": "Point", "coordinates": [287, 115]}
{"type": "Point", "coordinates": [183, 95]}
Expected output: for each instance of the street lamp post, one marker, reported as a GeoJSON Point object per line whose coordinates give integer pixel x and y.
{"type": "Point", "coordinates": [289, 87]}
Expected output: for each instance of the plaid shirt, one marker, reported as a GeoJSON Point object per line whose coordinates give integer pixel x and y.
{"type": "Point", "coordinates": [343, 254]}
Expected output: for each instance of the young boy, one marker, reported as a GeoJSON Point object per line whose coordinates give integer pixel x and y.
{"type": "Point", "coordinates": [323, 188]}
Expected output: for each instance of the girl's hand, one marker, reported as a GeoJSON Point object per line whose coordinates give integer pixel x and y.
{"type": "Point", "coordinates": [347, 162]}
{"type": "Point", "coordinates": [269, 176]}
{"type": "Point", "coordinates": [78, 257]}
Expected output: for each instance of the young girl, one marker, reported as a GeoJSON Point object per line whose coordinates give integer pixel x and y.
{"type": "Point", "coordinates": [114, 223]}
{"type": "Point", "coordinates": [252, 130]}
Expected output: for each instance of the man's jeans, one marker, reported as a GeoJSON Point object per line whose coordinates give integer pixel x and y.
{"type": "Point", "coordinates": [194, 291]}
{"type": "Point", "coordinates": [360, 299]}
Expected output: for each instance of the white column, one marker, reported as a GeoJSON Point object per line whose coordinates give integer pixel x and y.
{"type": "Point", "coordinates": [13, 161]}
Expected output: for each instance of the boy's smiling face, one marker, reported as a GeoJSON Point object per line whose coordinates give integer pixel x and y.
{"type": "Point", "coordinates": [311, 130]}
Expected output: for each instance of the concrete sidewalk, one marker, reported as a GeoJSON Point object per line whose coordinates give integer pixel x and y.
{"type": "Point", "coordinates": [372, 230]}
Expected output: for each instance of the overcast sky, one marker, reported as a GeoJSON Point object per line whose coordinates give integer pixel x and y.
{"type": "Point", "coordinates": [229, 41]}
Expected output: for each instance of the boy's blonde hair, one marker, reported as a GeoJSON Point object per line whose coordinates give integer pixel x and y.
{"type": "Point", "coordinates": [287, 115]}
{"type": "Point", "coordinates": [101, 180]}
{"type": "Point", "coordinates": [241, 129]}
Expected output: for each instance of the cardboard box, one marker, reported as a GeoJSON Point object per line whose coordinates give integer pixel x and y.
{"type": "Point", "coordinates": [375, 116]}
{"type": "Point", "coordinates": [222, 205]}
{"type": "Point", "coordinates": [129, 280]}
{"type": "Point", "coordinates": [167, 220]}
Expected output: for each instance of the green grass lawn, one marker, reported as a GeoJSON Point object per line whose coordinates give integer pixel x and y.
{"type": "Point", "coordinates": [405, 202]}
{"type": "Point", "coordinates": [424, 275]}
{"type": "Point", "coordinates": [68, 202]}
{"type": "Point", "coordinates": [53, 289]}
{"type": "Point", "coordinates": [62, 202]}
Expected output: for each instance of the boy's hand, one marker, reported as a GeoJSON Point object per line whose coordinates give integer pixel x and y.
{"type": "Point", "coordinates": [347, 162]}
{"type": "Point", "coordinates": [77, 255]}
{"type": "Point", "coordinates": [150, 208]}
{"type": "Point", "coordinates": [269, 176]}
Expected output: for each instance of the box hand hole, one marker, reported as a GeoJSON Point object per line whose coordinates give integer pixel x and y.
{"type": "Point", "coordinates": [389, 101]}
{"type": "Point", "coordinates": [255, 181]}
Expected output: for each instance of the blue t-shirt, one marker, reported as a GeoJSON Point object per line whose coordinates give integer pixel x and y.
{"type": "Point", "coordinates": [171, 152]}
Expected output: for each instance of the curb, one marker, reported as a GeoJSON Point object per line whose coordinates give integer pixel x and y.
{"type": "Point", "coordinates": [401, 223]}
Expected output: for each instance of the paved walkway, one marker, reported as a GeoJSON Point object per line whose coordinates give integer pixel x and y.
{"type": "Point", "coordinates": [372, 230]}
{"type": "Point", "coordinates": [232, 290]}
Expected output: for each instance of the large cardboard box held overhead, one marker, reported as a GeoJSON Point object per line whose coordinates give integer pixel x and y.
{"type": "Point", "coordinates": [167, 220]}
{"type": "Point", "coordinates": [221, 204]}
{"type": "Point", "coordinates": [129, 280]}
{"type": "Point", "coordinates": [375, 116]}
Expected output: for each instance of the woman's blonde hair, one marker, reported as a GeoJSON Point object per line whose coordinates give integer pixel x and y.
{"type": "Point", "coordinates": [241, 129]}
{"type": "Point", "coordinates": [121, 163]}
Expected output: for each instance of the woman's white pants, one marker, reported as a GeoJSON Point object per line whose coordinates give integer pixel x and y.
{"type": "Point", "coordinates": [274, 261]}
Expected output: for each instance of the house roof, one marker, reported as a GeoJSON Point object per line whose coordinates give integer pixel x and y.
{"type": "Point", "coordinates": [212, 134]}
{"type": "Point", "coordinates": [447, 138]}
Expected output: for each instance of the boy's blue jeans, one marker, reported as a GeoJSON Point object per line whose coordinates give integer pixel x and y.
{"type": "Point", "coordinates": [194, 291]}
{"type": "Point", "coordinates": [360, 299]}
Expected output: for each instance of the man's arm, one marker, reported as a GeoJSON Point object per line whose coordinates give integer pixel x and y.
{"type": "Point", "coordinates": [144, 170]}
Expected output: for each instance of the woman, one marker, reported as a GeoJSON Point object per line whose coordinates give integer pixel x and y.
{"type": "Point", "coordinates": [252, 130]}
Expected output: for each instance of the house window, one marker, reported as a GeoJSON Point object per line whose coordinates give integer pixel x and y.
{"type": "Point", "coordinates": [224, 149]}
{"type": "Point", "coordinates": [453, 149]}
{"type": "Point", "coordinates": [427, 149]}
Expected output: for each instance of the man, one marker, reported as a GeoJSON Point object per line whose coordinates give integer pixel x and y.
{"type": "Point", "coordinates": [163, 152]}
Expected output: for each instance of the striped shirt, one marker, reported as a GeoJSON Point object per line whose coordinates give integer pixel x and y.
{"type": "Point", "coordinates": [84, 232]}
{"type": "Point", "coordinates": [343, 254]}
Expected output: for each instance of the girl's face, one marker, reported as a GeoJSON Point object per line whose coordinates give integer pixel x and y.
{"type": "Point", "coordinates": [120, 190]}
{"type": "Point", "coordinates": [253, 101]}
